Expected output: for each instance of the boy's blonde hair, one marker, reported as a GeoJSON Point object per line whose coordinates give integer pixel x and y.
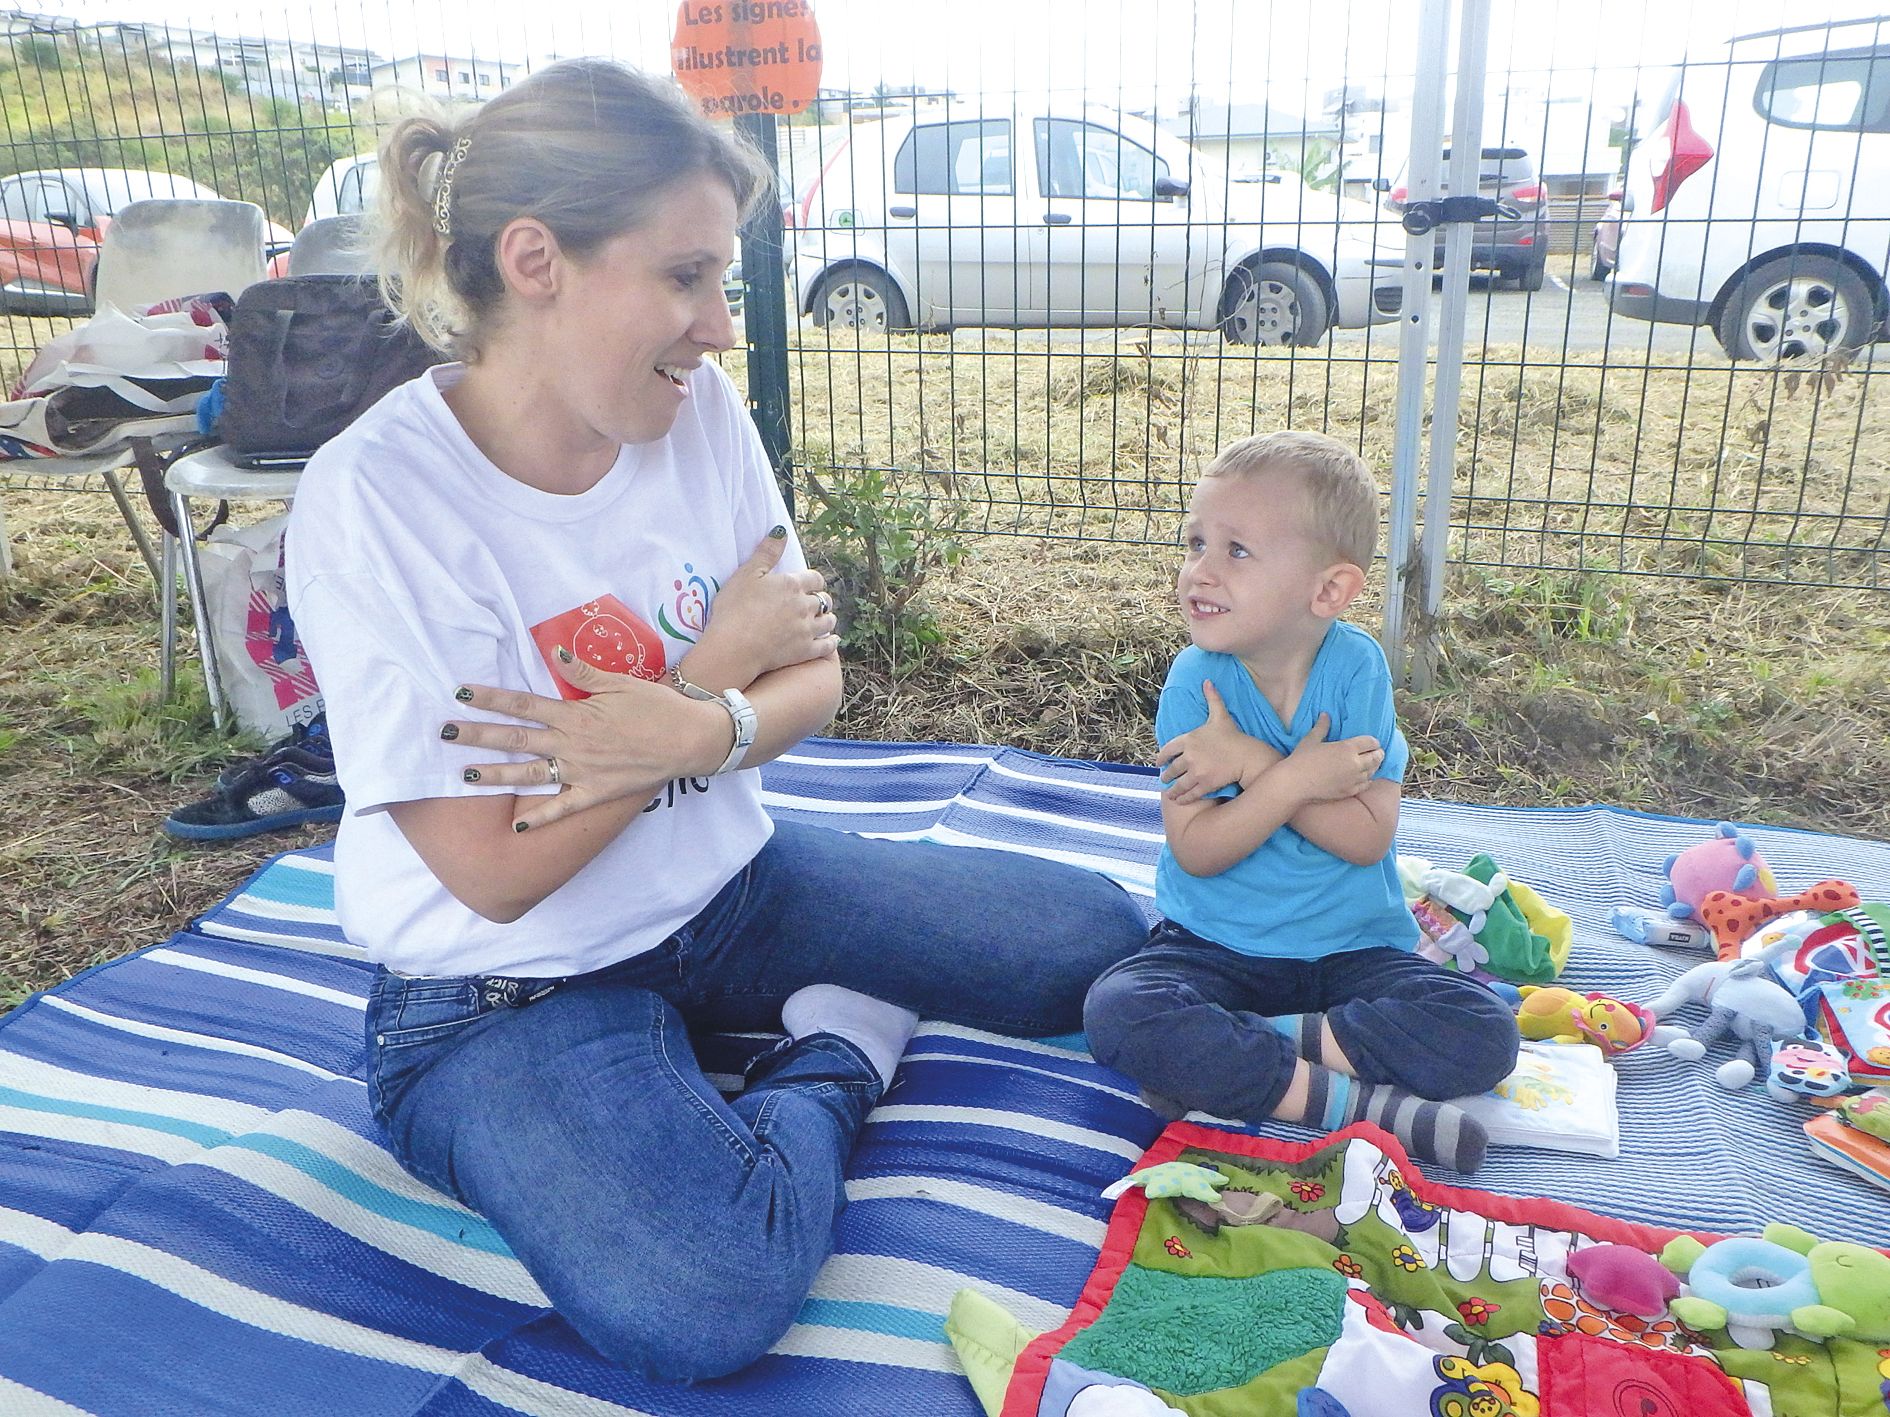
{"type": "Point", "coordinates": [1340, 496]}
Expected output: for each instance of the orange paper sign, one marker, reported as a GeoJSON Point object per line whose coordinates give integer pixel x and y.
{"type": "Point", "coordinates": [747, 56]}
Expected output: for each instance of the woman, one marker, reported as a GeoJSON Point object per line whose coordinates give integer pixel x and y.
{"type": "Point", "coordinates": [585, 488]}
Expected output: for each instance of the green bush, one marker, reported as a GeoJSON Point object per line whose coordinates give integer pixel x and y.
{"type": "Point", "coordinates": [879, 543]}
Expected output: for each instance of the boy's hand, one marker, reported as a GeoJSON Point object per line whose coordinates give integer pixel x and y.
{"type": "Point", "coordinates": [1331, 772]}
{"type": "Point", "coordinates": [1213, 756]}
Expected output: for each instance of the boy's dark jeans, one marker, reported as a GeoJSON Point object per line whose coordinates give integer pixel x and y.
{"type": "Point", "coordinates": [1187, 1019]}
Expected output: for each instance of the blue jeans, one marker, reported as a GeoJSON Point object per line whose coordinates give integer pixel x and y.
{"type": "Point", "coordinates": [676, 1232]}
{"type": "Point", "coordinates": [1187, 1019]}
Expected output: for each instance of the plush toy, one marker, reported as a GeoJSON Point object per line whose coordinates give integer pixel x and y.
{"type": "Point", "coordinates": [1470, 897]}
{"type": "Point", "coordinates": [1171, 1178]}
{"type": "Point", "coordinates": [1624, 1279]}
{"type": "Point", "coordinates": [1806, 1067]}
{"type": "Point", "coordinates": [1786, 1279]}
{"type": "Point", "coordinates": [1518, 952]}
{"type": "Point", "coordinates": [1729, 862]}
{"type": "Point", "coordinates": [1744, 1000]}
{"type": "Point", "coordinates": [1563, 1016]}
{"type": "Point", "coordinates": [1732, 917]}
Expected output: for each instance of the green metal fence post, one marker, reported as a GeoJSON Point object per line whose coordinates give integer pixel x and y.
{"type": "Point", "coordinates": [764, 311]}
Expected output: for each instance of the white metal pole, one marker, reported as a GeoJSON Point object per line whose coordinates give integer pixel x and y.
{"type": "Point", "coordinates": [1427, 142]}
{"type": "Point", "coordinates": [1466, 152]}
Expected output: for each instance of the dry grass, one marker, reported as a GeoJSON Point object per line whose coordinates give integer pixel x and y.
{"type": "Point", "coordinates": [1557, 684]}
{"type": "Point", "coordinates": [90, 761]}
{"type": "Point", "coordinates": [1659, 465]}
{"type": "Point", "coordinates": [1757, 703]}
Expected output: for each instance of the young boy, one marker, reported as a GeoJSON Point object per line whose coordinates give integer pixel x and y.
{"type": "Point", "coordinates": [1282, 980]}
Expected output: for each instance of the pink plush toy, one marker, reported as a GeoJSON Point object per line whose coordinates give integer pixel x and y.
{"type": "Point", "coordinates": [1729, 862]}
{"type": "Point", "coordinates": [1624, 1279]}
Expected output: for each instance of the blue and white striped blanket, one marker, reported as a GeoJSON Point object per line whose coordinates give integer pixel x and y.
{"type": "Point", "coordinates": [197, 1216]}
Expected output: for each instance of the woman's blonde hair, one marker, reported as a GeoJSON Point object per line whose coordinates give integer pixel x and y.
{"type": "Point", "coordinates": [586, 146]}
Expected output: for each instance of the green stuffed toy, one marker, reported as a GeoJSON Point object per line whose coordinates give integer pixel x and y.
{"type": "Point", "coordinates": [1517, 952]}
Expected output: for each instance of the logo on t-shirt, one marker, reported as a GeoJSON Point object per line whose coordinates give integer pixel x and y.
{"type": "Point", "coordinates": [603, 632]}
{"type": "Point", "coordinates": [687, 615]}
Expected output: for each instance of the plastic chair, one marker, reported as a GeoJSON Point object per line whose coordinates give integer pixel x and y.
{"type": "Point", "coordinates": [334, 245]}
{"type": "Point", "coordinates": [210, 473]}
{"type": "Point", "coordinates": [161, 249]}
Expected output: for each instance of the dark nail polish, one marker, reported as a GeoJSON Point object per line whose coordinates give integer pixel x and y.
{"type": "Point", "coordinates": [463, 694]}
{"type": "Point", "coordinates": [777, 532]}
{"type": "Point", "coordinates": [470, 775]}
{"type": "Point", "coordinates": [450, 732]}
{"type": "Point", "coordinates": [519, 826]}
{"type": "Point", "coordinates": [565, 655]}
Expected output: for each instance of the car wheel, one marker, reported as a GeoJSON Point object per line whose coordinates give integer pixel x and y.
{"type": "Point", "coordinates": [1274, 302]}
{"type": "Point", "coordinates": [860, 298]}
{"type": "Point", "coordinates": [1532, 277]}
{"type": "Point", "coordinates": [1598, 269]}
{"type": "Point", "coordinates": [1797, 307]}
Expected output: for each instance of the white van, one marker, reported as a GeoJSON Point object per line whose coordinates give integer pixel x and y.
{"type": "Point", "coordinates": [1038, 215]}
{"type": "Point", "coordinates": [1760, 202]}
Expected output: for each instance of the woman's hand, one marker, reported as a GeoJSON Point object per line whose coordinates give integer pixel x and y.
{"type": "Point", "coordinates": [1213, 756]}
{"type": "Point", "coordinates": [626, 740]}
{"type": "Point", "coordinates": [1331, 772]}
{"type": "Point", "coordinates": [763, 618]}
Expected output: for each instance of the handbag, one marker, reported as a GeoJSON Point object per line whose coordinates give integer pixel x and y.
{"type": "Point", "coordinates": [120, 375]}
{"type": "Point", "coordinates": [309, 355]}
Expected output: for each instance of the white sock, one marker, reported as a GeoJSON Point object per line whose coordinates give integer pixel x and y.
{"type": "Point", "coordinates": [878, 1029]}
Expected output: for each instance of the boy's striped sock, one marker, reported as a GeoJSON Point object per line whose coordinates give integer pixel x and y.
{"type": "Point", "coordinates": [1430, 1131]}
{"type": "Point", "coordinates": [1308, 1033]}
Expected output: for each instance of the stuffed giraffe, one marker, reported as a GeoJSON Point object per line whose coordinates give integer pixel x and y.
{"type": "Point", "coordinates": [1733, 917]}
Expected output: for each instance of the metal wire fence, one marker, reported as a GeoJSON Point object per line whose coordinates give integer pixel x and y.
{"type": "Point", "coordinates": [1034, 284]}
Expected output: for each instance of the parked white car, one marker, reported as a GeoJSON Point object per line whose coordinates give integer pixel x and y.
{"type": "Point", "coordinates": [347, 188]}
{"type": "Point", "coordinates": [1040, 215]}
{"type": "Point", "coordinates": [1760, 203]}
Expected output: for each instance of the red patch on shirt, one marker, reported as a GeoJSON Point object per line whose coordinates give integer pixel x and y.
{"type": "Point", "coordinates": [605, 633]}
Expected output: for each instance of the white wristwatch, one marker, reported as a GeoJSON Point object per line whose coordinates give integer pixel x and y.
{"type": "Point", "coordinates": [741, 714]}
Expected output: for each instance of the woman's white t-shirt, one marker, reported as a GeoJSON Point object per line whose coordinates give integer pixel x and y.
{"type": "Point", "coordinates": [415, 565]}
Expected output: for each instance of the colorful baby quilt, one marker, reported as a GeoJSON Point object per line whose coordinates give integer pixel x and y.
{"type": "Point", "coordinates": [1330, 1277]}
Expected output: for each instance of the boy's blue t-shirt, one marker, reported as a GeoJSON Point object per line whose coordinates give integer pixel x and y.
{"type": "Point", "coordinates": [1291, 899]}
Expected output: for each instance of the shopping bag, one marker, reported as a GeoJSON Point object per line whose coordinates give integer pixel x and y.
{"type": "Point", "coordinates": [266, 674]}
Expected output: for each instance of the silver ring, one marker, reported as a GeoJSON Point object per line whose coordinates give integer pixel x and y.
{"type": "Point", "coordinates": [826, 602]}
{"type": "Point", "coordinates": [552, 773]}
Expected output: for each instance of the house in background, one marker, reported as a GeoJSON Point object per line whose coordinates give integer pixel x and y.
{"type": "Point", "coordinates": [448, 76]}
{"type": "Point", "coordinates": [1247, 138]}
{"type": "Point", "coordinates": [301, 71]}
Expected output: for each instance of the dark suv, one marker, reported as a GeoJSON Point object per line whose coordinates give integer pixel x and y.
{"type": "Point", "coordinates": [1515, 248]}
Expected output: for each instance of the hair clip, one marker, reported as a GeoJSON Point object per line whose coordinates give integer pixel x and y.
{"type": "Point", "coordinates": [443, 193]}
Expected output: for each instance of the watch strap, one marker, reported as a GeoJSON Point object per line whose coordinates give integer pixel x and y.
{"type": "Point", "coordinates": [741, 715]}
{"type": "Point", "coordinates": [746, 722]}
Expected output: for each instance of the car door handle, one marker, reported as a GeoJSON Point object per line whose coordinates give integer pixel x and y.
{"type": "Point", "coordinates": [1056, 218]}
{"type": "Point", "coordinates": [902, 211]}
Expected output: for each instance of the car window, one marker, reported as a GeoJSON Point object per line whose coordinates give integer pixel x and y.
{"type": "Point", "coordinates": [956, 159]}
{"type": "Point", "coordinates": [1498, 165]}
{"type": "Point", "coordinates": [1848, 91]}
{"type": "Point", "coordinates": [348, 194]}
{"type": "Point", "coordinates": [13, 204]}
{"type": "Point", "coordinates": [1088, 160]}
{"type": "Point", "coordinates": [42, 197]}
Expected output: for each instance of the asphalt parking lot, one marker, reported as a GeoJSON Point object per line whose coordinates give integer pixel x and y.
{"type": "Point", "coordinates": [1571, 314]}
